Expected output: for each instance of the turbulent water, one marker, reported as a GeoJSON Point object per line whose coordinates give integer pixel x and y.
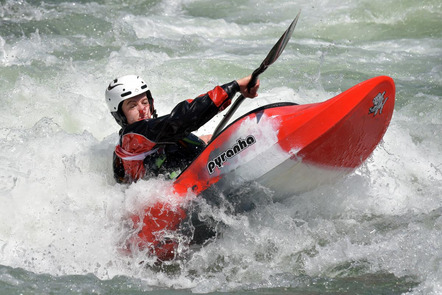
{"type": "Point", "coordinates": [376, 231]}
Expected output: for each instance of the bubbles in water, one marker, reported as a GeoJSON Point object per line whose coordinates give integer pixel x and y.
{"type": "Point", "coordinates": [63, 214]}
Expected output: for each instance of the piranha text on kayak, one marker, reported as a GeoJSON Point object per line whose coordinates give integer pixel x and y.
{"type": "Point", "coordinates": [241, 144]}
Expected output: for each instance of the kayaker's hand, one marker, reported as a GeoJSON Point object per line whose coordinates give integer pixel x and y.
{"type": "Point", "coordinates": [243, 87]}
{"type": "Point", "coordinates": [206, 138]}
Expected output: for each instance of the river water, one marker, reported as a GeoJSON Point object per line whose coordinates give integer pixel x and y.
{"type": "Point", "coordinates": [376, 231]}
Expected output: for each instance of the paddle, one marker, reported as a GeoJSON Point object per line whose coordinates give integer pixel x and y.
{"type": "Point", "coordinates": [272, 56]}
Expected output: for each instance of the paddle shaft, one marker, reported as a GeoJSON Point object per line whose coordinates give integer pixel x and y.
{"type": "Point", "coordinates": [271, 57]}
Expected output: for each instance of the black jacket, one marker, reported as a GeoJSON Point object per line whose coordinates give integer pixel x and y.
{"type": "Point", "coordinates": [165, 145]}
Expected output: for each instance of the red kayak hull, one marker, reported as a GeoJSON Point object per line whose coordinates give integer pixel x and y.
{"type": "Point", "coordinates": [337, 134]}
{"type": "Point", "coordinates": [286, 147]}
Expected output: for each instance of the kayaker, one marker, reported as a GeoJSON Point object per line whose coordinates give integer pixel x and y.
{"type": "Point", "coordinates": [150, 145]}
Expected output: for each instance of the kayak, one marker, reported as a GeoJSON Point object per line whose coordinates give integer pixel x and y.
{"type": "Point", "coordinates": [296, 147]}
{"type": "Point", "coordinates": [285, 147]}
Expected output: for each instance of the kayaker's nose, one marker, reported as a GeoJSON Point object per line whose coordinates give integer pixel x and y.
{"type": "Point", "coordinates": [142, 110]}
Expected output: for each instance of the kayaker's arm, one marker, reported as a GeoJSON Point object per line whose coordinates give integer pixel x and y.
{"type": "Point", "coordinates": [187, 116]}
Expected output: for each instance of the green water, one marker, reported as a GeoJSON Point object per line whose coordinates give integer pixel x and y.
{"type": "Point", "coordinates": [376, 231]}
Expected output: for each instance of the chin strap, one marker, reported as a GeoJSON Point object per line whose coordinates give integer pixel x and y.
{"type": "Point", "coordinates": [153, 111]}
{"type": "Point", "coordinates": [120, 118]}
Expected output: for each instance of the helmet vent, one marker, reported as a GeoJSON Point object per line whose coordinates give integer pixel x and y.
{"type": "Point", "coordinates": [143, 86]}
{"type": "Point", "coordinates": [126, 94]}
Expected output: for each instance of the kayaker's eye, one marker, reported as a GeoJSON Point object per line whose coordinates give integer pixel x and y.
{"type": "Point", "coordinates": [131, 105]}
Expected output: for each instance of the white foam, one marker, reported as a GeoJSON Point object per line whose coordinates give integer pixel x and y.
{"type": "Point", "coordinates": [62, 213]}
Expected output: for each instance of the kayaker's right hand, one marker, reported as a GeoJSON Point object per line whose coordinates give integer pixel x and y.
{"type": "Point", "coordinates": [243, 87]}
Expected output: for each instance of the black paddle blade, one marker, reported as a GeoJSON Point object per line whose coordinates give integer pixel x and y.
{"type": "Point", "coordinates": [271, 57]}
{"type": "Point", "coordinates": [274, 53]}
{"type": "Point", "coordinates": [278, 48]}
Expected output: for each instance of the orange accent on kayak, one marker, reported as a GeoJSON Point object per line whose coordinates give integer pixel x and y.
{"type": "Point", "coordinates": [340, 132]}
{"type": "Point", "coordinates": [157, 221]}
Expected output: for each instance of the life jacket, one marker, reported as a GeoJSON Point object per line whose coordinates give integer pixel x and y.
{"type": "Point", "coordinates": [138, 157]}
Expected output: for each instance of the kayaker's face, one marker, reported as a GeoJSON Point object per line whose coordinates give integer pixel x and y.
{"type": "Point", "coordinates": [136, 108]}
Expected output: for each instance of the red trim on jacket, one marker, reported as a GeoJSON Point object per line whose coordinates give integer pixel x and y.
{"type": "Point", "coordinates": [131, 151]}
{"type": "Point", "coordinates": [219, 97]}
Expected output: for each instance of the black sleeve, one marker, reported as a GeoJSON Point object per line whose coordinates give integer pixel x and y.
{"type": "Point", "coordinates": [119, 173]}
{"type": "Point", "coordinates": [184, 118]}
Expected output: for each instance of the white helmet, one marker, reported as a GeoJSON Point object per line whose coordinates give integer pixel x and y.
{"type": "Point", "coordinates": [123, 88]}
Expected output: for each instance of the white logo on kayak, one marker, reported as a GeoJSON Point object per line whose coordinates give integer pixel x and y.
{"type": "Point", "coordinates": [378, 104]}
{"type": "Point", "coordinates": [241, 144]}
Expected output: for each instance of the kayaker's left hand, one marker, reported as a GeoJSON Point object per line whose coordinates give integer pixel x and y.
{"type": "Point", "coordinates": [243, 87]}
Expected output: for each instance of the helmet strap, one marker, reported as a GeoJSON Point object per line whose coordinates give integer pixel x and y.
{"type": "Point", "coordinates": [120, 118]}
{"type": "Point", "coordinates": [153, 111]}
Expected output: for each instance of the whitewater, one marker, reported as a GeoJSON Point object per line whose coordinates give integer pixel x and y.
{"type": "Point", "coordinates": [63, 217]}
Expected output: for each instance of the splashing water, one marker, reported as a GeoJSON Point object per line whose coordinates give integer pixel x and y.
{"type": "Point", "coordinates": [63, 217]}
